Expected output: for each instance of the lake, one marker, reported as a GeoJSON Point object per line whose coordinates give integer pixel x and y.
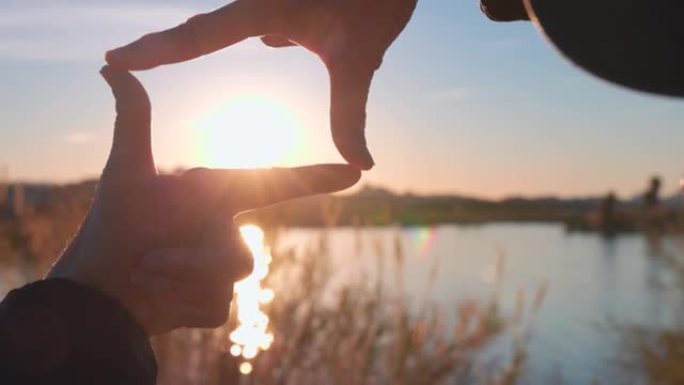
{"type": "Point", "coordinates": [596, 286]}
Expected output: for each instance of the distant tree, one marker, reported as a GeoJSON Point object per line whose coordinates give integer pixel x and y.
{"type": "Point", "coordinates": [608, 215]}
{"type": "Point", "coordinates": [651, 197]}
{"type": "Point", "coordinates": [4, 187]}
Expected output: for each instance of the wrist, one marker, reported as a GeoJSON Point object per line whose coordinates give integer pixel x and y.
{"type": "Point", "coordinates": [65, 271]}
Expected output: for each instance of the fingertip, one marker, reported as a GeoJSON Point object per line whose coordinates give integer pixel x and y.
{"type": "Point", "coordinates": [105, 73]}
{"type": "Point", "coordinates": [113, 58]}
{"type": "Point", "coordinates": [131, 57]}
{"type": "Point", "coordinates": [244, 260]}
{"type": "Point", "coordinates": [244, 267]}
{"type": "Point", "coordinates": [126, 87]}
{"type": "Point", "coordinates": [335, 177]}
{"type": "Point", "coordinates": [369, 162]}
{"type": "Point", "coordinates": [362, 159]}
{"type": "Point", "coordinates": [113, 76]}
{"type": "Point", "coordinates": [356, 153]}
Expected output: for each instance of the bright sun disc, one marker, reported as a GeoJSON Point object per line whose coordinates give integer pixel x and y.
{"type": "Point", "coordinates": [248, 132]}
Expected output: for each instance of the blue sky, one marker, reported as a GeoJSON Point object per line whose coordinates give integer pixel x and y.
{"type": "Point", "coordinates": [461, 105]}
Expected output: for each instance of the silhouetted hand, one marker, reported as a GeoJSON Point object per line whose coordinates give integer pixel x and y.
{"type": "Point", "coordinates": [350, 36]}
{"type": "Point", "coordinates": [166, 246]}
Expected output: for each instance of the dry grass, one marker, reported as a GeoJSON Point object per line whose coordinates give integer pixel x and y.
{"type": "Point", "coordinates": [363, 332]}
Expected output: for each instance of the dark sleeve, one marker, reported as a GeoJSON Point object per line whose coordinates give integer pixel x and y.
{"type": "Point", "coordinates": [58, 332]}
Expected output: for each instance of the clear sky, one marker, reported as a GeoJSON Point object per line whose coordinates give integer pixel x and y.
{"type": "Point", "coordinates": [461, 105]}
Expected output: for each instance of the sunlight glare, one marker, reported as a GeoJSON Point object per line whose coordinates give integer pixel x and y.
{"type": "Point", "coordinates": [236, 350]}
{"type": "Point", "coordinates": [248, 132]}
{"type": "Point", "coordinates": [246, 368]}
{"type": "Point", "coordinates": [252, 335]}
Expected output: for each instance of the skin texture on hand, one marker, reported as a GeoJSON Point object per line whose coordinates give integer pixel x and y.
{"type": "Point", "coordinates": [166, 246]}
{"type": "Point", "coordinates": [350, 36]}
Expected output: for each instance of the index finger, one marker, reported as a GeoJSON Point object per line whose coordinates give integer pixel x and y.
{"type": "Point", "coordinates": [200, 35]}
{"type": "Point", "coordinates": [349, 88]}
{"type": "Point", "coordinates": [243, 190]}
{"type": "Point", "coordinates": [131, 152]}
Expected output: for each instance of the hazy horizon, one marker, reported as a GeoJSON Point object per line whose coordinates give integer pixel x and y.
{"type": "Point", "coordinates": [637, 193]}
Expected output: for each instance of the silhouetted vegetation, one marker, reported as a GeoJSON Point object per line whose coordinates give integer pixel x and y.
{"type": "Point", "coordinates": [358, 333]}
{"type": "Point", "coordinates": [363, 332]}
{"type": "Point", "coordinates": [372, 206]}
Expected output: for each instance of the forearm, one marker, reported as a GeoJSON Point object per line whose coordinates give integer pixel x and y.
{"type": "Point", "coordinates": [56, 331]}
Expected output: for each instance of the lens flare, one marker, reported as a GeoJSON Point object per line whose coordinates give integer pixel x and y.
{"type": "Point", "coordinates": [425, 240]}
{"type": "Point", "coordinates": [245, 368]}
{"type": "Point", "coordinates": [252, 334]}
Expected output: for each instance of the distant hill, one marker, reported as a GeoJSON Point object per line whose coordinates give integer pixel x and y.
{"type": "Point", "coordinates": [373, 205]}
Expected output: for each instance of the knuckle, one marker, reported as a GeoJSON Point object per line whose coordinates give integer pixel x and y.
{"type": "Point", "coordinates": [186, 35]}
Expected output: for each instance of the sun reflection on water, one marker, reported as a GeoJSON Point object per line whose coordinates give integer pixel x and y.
{"type": "Point", "coordinates": [252, 334]}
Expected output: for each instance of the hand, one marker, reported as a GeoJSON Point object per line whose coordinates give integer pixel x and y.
{"type": "Point", "coordinates": [350, 36]}
{"type": "Point", "coordinates": [141, 222]}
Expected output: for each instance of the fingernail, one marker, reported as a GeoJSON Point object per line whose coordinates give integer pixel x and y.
{"type": "Point", "coordinates": [367, 161]}
{"type": "Point", "coordinates": [115, 57]}
{"type": "Point", "coordinates": [362, 159]}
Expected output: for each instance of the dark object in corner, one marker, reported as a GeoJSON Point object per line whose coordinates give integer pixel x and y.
{"type": "Point", "coordinates": [58, 332]}
{"type": "Point", "coordinates": [504, 10]}
{"type": "Point", "coordinates": [634, 43]}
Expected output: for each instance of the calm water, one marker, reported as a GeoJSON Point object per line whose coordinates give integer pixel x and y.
{"type": "Point", "coordinates": [594, 283]}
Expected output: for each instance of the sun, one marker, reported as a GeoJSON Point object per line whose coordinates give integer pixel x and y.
{"type": "Point", "coordinates": [249, 131]}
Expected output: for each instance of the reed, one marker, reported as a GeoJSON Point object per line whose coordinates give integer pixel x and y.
{"type": "Point", "coordinates": [365, 331]}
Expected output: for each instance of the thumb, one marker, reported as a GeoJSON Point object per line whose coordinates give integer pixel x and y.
{"type": "Point", "coordinates": [131, 147]}
{"type": "Point", "coordinates": [349, 88]}
{"type": "Point", "coordinates": [222, 236]}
